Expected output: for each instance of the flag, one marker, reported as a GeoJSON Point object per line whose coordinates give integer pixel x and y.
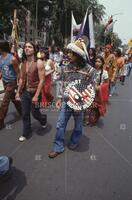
{"type": "Point", "coordinates": [109, 28]}
{"type": "Point", "coordinates": [87, 30]}
{"type": "Point", "coordinates": [74, 28]}
{"type": "Point", "coordinates": [109, 23]}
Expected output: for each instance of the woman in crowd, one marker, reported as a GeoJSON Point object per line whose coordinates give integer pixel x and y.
{"type": "Point", "coordinates": [47, 97]}
{"type": "Point", "coordinates": [125, 70]}
{"type": "Point", "coordinates": [98, 108]}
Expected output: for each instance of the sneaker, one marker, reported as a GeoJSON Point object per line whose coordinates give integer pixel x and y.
{"type": "Point", "coordinates": [22, 138]}
{"type": "Point", "coordinates": [44, 126]}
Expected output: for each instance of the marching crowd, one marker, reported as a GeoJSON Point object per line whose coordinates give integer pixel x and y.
{"type": "Point", "coordinates": [29, 75]}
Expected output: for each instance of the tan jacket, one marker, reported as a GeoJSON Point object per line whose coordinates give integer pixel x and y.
{"type": "Point", "coordinates": [111, 67]}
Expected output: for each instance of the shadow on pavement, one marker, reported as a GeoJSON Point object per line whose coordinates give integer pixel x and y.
{"type": "Point", "coordinates": [11, 188]}
{"type": "Point", "coordinates": [83, 144]}
{"type": "Point", "coordinates": [16, 117]}
{"type": "Point", "coordinates": [100, 123]}
{"type": "Point", "coordinates": [40, 131]}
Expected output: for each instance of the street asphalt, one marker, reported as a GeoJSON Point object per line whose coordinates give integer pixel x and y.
{"type": "Point", "coordinates": [99, 169]}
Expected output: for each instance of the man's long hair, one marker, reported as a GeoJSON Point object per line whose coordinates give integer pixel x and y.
{"type": "Point", "coordinates": [24, 57]}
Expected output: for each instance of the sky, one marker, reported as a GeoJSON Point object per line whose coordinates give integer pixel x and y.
{"type": "Point", "coordinates": [123, 25]}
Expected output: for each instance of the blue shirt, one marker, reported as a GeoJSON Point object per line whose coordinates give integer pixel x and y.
{"type": "Point", "coordinates": [7, 69]}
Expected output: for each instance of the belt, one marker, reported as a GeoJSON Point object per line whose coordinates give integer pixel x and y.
{"type": "Point", "coordinates": [32, 90]}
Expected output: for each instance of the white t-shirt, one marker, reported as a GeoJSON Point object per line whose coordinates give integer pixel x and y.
{"type": "Point", "coordinates": [104, 76]}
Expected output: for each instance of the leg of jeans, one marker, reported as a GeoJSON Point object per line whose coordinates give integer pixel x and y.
{"type": "Point", "coordinates": [77, 132]}
{"type": "Point", "coordinates": [42, 118]}
{"type": "Point", "coordinates": [109, 88]}
{"type": "Point", "coordinates": [26, 108]}
{"type": "Point", "coordinates": [123, 79]}
{"type": "Point", "coordinates": [63, 118]}
{"type": "Point", "coordinates": [129, 71]}
{"type": "Point", "coordinates": [112, 88]}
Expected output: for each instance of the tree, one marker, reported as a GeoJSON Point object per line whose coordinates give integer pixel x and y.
{"type": "Point", "coordinates": [59, 13]}
{"type": "Point", "coordinates": [6, 13]}
{"type": "Point", "coordinates": [62, 14]}
{"type": "Point", "coordinates": [99, 34]}
{"type": "Point", "coordinates": [102, 38]}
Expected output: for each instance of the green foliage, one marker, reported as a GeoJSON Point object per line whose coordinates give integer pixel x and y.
{"type": "Point", "coordinates": [102, 38]}
{"type": "Point", "coordinates": [99, 34]}
{"type": "Point", "coordinates": [6, 13]}
{"type": "Point", "coordinates": [62, 14]}
{"type": "Point", "coordinates": [59, 13]}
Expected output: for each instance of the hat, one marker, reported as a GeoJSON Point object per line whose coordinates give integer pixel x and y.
{"type": "Point", "coordinates": [108, 46]}
{"type": "Point", "coordinates": [79, 48]}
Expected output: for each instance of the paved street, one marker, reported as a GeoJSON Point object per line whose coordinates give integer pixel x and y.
{"type": "Point", "coordinates": [99, 169]}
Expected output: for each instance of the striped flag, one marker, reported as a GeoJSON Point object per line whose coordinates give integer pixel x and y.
{"type": "Point", "coordinates": [109, 24]}
{"type": "Point", "coordinates": [110, 28]}
{"type": "Point", "coordinates": [75, 94]}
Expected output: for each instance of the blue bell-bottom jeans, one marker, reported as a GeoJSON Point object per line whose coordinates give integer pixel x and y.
{"type": "Point", "coordinates": [65, 113]}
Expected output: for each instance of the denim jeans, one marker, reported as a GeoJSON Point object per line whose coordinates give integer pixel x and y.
{"type": "Point", "coordinates": [27, 107]}
{"type": "Point", "coordinates": [64, 116]}
{"type": "Point", "coordinates": [129, 71]}
{"type": "Point", "coordinates": [112, 88]}
{"type": "Point", "coordinates": [4, 164]}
